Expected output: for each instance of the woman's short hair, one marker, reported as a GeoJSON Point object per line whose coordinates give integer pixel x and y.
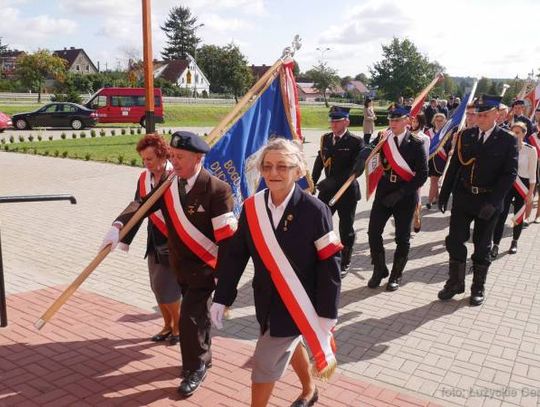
{"type": "Point", "coordinates": [437, 115]}
{"type": "Point", "coordinates": [521, 125]}
{"type": "Point", "coordinates": [287, 147]}
{"type": "Point", "coordinates": [161, 147]}
{"type": "Point", "coordinates": [367, 102]}
{"type": "Point", "coordinates": [421, 118]}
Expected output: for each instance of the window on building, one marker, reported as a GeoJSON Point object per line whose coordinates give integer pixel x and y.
{"type": "Point", "coordinates": [77, 67]}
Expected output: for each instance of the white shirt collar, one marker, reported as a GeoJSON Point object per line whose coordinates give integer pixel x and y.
{"type": "Point", "coordinates": [400, 137]}
{"type": "Point", "coordinates": [277, 211]}
{"type": "Point", "coordinates": [338, 136]}
{"type": "Point", "coordinates": [191, 180]}
{"type": "Point", "coordinates": [487, 133]}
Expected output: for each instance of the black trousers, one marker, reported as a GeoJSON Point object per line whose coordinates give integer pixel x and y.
{"type": "Point", "coordinates": [512, 197]}
{"type": "Point", "coordinates": [346, 209]}
{"type": "Point", "coordinates": [464, 211]}
{"type": "Point", "coordinates": [403, 213]}
{"type": "Point", "coordinates": [195, 326]}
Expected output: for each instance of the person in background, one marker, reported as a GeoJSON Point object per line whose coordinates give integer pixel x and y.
{"type": "Point", "coordinates": [368, 126]}
{"type": "Point", "coordinates": [436, 163]}
{"type": "Point", "coordinates": [527, 161]}
{"type": "Point", "coordinates": [418, 124]}
{"type": "Point", "coordinates": [430, 111]}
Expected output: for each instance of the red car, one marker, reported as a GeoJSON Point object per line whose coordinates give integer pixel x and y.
{"type": "Point", "coordinates": [5, 122]}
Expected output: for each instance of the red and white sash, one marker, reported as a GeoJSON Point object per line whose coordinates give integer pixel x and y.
{"type": "Point", "coordinates": [520, 187]}
{"type": "Point", "coordinates": [396, 160]}
{"type": "Point", "coordinates": [290, 288]}
{"type": "Point", "coordinates": [145, 186]}
{"type": "Point", "coordinates": [193, 238]}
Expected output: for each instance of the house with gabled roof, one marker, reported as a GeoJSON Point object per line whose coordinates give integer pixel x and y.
{"type": "Point", "coordinates": [183, 72]}
{"type": "Point", "coordinates": [77, 60]}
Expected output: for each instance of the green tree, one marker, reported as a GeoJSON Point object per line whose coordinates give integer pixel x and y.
{"type": "Point", "coordinates": [324, 78]}
{"type": "Point", "coordinates": [362, 77]}
{"type": "Point", "coordinates": [33, 69]}
{"type": "Point", "coordinates": [403, 71]}
{"type": "Point", "coordinates": [180, 29]}
{"type": "Point", "coordinates": [484, 85]}
{"type": "Point", "coordinates": [3, 47]}
{"type": "Point", "coordinates": [226, 68]}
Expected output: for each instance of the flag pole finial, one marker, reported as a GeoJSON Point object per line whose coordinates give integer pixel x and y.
{"type": "Point", "coordinates": [296, 44]}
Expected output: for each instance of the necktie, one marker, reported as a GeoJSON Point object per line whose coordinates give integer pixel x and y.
{"type": "Point", "coordinates": [336, 139]}
{"type": "Point", "coordinates": [482, 137]}
{"type": "Point", "coordinates": [396, 139]}
{"type": "Point", "coordinates": [182, 189]}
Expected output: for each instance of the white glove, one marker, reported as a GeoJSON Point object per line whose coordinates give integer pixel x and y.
{"type": "Point", "coordinates": [216, 314]}
{"type": "Point", "coordinates": [111, 238]}
{"type": "Point", "coordinates": [327, 324]}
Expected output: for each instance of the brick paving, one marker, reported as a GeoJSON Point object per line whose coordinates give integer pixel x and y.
{"type": "Point", "coordinates": [402, 348]}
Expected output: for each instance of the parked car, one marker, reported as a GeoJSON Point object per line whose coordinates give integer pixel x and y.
{"type": "Point", "coordinates": [61, 114]}
{"type": "Point", "coordinates": [5, 121]}
{"type": "Point", "coordinates": [124, 105]}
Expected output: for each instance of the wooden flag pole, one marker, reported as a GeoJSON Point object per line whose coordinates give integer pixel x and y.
{"type": "Point", "coordinates": [342, 190]}
{"type": "Point", "coordinates": [422, 95]}
{"type": "Point", "coordinates": [137, 216]}
{"type": "Point", "coordinates": [220, 129]}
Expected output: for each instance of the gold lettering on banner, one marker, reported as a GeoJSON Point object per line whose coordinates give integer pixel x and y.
{"type": "Point", "coordinates": [233, 173]}
{"type": "Point", "coordinates": [218, 171]}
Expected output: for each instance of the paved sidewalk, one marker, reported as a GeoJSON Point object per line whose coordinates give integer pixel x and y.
{"type": "Point", "coordinates": [401, 348]}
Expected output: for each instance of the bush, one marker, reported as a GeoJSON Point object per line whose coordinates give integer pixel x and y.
{"type": "Point", "coordinates": [170, 131]}
{"type": "Point", "coordinates": [102, 133]}
{"type": "Point", "coordinates": [39, 137]}
{"type": "Point", "coordinates": [30, 138]}
{"type": "Point", "coordinates": [131, 131]}
{"type": "Point", "coordinates": [56, 153]}
{"type": "Point", "coordinates": [113, 132]}
{"type": "Point", "coordinates": [6, 147]}
{"type": "Point", "coordinates": [120, 158]}
{"type": "Point", "coordinates": [123, 132]}
{"type": "Point", "coordinates": [133, 162]}
{"type": "Point", "coordinates": [21, 138]}
{"type": "Point", "coordinates": [11, 139]}
{"type": "Point", "coordinates": [46, 153]}
{"type": "Point", "coordinates": [3, 141]}
{"type": "Point", "coordinates": [74, 135]}
{"type": "Point", "coordinates": [139, 130]}
{"type": "Point", "coordinates": [92, 133]}
{"type": "Point", "coordinates": [24, 149]}
{"type": "Point", "coordinates": [87, 156]}
{"type": "Point", "coordinates": [50, 138]}
{"type": "Point", "coordinates": [83, 134]}
{"type": "Point", "coordinates": [64, 154]}
{"type": "Point", "coordinates": [63, 136]}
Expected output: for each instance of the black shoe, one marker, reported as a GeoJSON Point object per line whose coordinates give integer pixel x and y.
{"type": "Point", "coordinates": [343, 273]}
{"type": "Point", "coordinates": [393, 284]}
{"type": "Point", "coordinates": [513, 247]}
{"type": "Point", "coordinates": [374, 282]}
{"type": "Point", "coordinates": [306, 402]}
{"type": "Point", "coordinates": [494, 252]}
{"type": "Point", "coordinates": [477, 298]}
{"type": "Point", "coordinates": [174, 339]}
{"type": "Point", "coordinates": [192, 382]}
{"type": "Point", "coordinates": [185, 373]}
{"type": "Point", "coordinates": [447, 293]}
{"type": "Point", "coordinates": [428, 206]}
{"type": "Point", "coordinates": [160, 337]}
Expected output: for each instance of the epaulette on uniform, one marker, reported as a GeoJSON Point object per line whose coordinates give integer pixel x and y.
{"type": "Point", "coordinates": [415, 138]}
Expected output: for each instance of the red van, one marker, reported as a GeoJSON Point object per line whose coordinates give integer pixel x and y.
{"type": "Point", "coordinates": [124, 105]}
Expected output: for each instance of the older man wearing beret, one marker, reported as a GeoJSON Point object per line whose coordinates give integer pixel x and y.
{"type": "Point", "coordinates": [197, 209]}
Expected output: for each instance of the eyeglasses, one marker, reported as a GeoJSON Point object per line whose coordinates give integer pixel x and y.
{"type": "Point", "coordinates": [280, 168]}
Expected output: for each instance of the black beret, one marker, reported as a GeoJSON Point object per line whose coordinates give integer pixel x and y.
{"type": "Point", "coordinates": [338, 113]}
{"type": "Point", "coordinates": [488, 102]}
{"type": "Point", "coordinates": [186, 140]}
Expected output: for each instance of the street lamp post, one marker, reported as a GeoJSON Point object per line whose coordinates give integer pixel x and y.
{"type": "Point", "coordinates": [322, 51]}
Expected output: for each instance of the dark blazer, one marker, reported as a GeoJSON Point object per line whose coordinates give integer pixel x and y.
{"type": "Point", "coordinates": [343, 157]}
{"type": "Point", "coordinates": [305, 220]}
{"type": "Point", "coordinates": [412, 151]}
{"type": "Point", "coordinates": [493, 165]}
{"type": "Point", "coordinates": [215, 198]}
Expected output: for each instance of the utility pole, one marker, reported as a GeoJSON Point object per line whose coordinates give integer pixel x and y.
{"type": "Point", "coordinates": [150, 122]}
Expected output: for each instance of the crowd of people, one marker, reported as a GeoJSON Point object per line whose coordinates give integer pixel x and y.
{"type": "Point", "coordinates": [197, 249]}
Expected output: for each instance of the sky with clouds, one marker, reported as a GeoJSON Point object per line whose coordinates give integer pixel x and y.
{"type": "Point", "coordinates": [489, 38]}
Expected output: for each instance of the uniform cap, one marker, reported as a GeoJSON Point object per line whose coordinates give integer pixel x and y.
{"type": "Point", "coordinates": [337, 113]}
{"type": "Point", "coordinates": [186, 140]}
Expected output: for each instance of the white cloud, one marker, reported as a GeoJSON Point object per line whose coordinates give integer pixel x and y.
{"type": "Point", "coordinates": [220, 24]}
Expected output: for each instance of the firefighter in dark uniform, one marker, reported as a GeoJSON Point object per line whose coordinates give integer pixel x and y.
{"type": "Point", "coordinates": [396, 197]}
{"type": "Point", "coordinates": [339, 156]}
{"type": "Point", "coordinates": [480, 174]}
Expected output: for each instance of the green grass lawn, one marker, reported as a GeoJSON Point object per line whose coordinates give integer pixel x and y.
{"type": "Point", "coordinates": [114, 149]}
